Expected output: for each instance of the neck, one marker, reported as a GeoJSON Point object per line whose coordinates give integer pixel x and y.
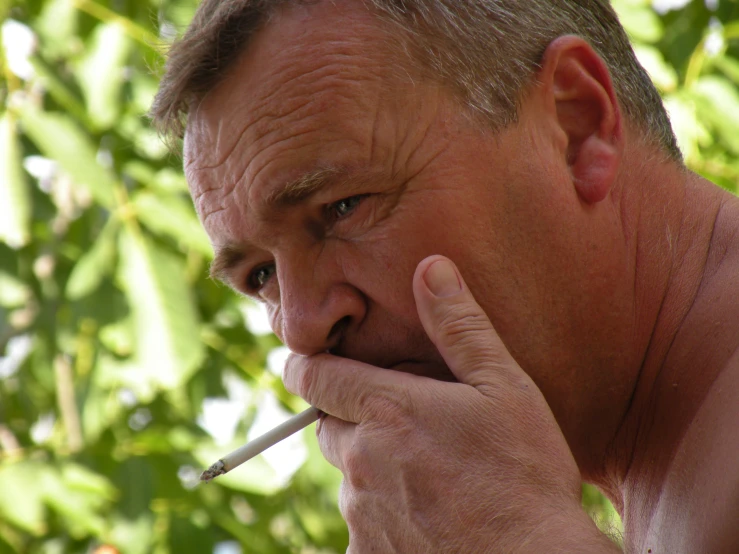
{"type": "Point", "coordinates": [679, 240]}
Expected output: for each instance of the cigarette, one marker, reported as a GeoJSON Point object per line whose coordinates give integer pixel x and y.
{"type": "Point", "coordinates": [260, 444]}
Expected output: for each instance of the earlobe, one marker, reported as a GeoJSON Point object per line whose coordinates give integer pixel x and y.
{"type": "Point", "coordinates": [594, 169]}
{"type": "Point", "coordinates": [587, 112]}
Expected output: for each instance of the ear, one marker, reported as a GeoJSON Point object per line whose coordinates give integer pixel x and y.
{"type": "Point", "coordinates": [578, 84]}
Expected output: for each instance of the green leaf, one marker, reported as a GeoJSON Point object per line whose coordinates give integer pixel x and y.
{"type": "Point", "coordinates": [22, 498]}
{"type": "Point", "coordinates": [133, 536]}
{"type": "Point", "coordinates": [639, 20]}
{"type": "Point", "coordinates": [729, 66]}
{"type": "Point", "coordinates": [139, 132]}
{"type": "Point", "coordinates": [58, 138]}
{"type": "Point", "coordinates": [15, 195]}
{"type": "Point", "coordinates": [165, 181]}
{"type": "Point", "coordinates": [68, 100]}
{"type": "Point", "coordinates": [9, 543]}
{"type": "Point", "coordinates": [115, 374]}
{"type": "Point", "coordinates": [57, 27]}
{"type": "Point", "coordinates": [14, 293]}
{"type": "Point", "coordinates": [168, 345]}
{"type": "Point", "coordinates": [79, 495]}
{"type": "Point", "coordinates": [717, 101]}
{"type": "Point", "coordinates": [83, 480]}
{"type": "Point", "coordinates": [172, 216]}
{"type": "Point", "coordinates": [663, 74]}
{"type": "Point", "coordinates": [117, 337]}
{"type": "Point", "coordinates": [94, 265]}
{"type": "Point", "coordinates": [100, 409]}
{"type": "Point", "coordinates": [186, 536]}
{"type": "Point", "coordinates": [101, 73]}
{"type": "Point", "coordinates": [688, 130]}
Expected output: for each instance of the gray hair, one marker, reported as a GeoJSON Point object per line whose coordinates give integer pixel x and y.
{"type": "Point", "coordinates": [486, 51]}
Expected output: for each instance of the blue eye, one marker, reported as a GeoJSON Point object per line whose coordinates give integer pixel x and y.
{"type": "Point", "coordinates": [345, 206]}
{"type": "Point", "coordinates": [259, 277]}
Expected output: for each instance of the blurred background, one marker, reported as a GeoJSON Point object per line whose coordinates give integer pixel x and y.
{"type": "Point", "coordinates": [124, 370]}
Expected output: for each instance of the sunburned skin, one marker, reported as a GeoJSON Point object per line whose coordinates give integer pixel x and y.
{"type": "Point", "coordinates": [445, 181]}
{"type": "Point", "coordinates": [323, 175]}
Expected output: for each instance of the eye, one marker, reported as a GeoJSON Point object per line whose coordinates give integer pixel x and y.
{"type": "Point", "coordinates": [259, 277]}
{"type": "Point", "coordinates": [344, 207]}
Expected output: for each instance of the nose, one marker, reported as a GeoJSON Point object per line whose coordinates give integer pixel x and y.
{"type": "Point", "coordinates": [317, 308]}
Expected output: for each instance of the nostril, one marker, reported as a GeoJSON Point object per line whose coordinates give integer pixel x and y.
{"type": "Point", "coordinates": [336, 334]}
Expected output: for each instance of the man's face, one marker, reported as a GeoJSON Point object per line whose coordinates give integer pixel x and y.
{"type": "Point", "coordinates": [322, 178]}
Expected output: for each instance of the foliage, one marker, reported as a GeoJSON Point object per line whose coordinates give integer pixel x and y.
{"type": "Point", "coordinates": [117, 348]}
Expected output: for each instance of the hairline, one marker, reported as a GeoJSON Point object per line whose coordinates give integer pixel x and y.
{"type": "Point", "coordinates": [420, 47]}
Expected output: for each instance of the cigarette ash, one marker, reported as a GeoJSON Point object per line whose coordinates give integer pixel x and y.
{"type": "Point", "coordinates": [218, 468]}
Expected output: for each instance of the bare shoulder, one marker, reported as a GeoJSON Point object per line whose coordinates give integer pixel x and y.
{"type": "Point", "coordinates": [699, 507]}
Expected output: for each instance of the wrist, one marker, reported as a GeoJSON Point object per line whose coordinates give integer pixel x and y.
{"type": "Point", "coordinates": [569, 530]}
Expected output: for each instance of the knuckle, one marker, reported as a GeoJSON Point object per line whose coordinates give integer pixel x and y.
{"type": "Point", "coordinates": [400, 412]}
{"type": "Point", "coordinates": [387, 405]}
{"type": "Point", "coordinates": [306, 379]}
{"type": "Point", "coordinates": [461, 321]}
{"type": "Point", "coordinates": [393, 409]}
{"type": "Point", "coordinates": [469, 330]}
{"type": "Point", "coordinates": [290, 372]}
{"type": "Point", "coordinates": [356, 468]}
{"type": "Point", "coordinates": [300, 376]}
{"type": "Point", "coordinates": [350, 509]}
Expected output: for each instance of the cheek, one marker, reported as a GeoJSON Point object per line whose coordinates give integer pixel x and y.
{"type": "Point", "coordinates": [382, 269]}
{"type": "Point", "coordinates": [373, 266]}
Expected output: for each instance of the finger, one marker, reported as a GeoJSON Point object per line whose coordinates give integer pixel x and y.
{"type": "Point", "coordinates": [362, 461]}
{"type": "Point", "coordinates": [457, 325]}
{"type": "Point", "coordinates": [335, 439]}
{"type": "Point", "coordinates": [350, 390]}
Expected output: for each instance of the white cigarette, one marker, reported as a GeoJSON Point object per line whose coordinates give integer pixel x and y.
{"type": "Point", "coordinates": [260, 444]}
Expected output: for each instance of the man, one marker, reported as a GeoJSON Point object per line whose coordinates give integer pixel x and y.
{"type": "Point", "coordinates": [341, 153]}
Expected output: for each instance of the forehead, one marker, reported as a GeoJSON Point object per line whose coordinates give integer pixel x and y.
{"type": "Point", "coordinates": [304, 89]}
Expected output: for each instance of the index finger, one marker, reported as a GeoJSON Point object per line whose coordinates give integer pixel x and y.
{"type": "Point", "coordinates": [352, 391]}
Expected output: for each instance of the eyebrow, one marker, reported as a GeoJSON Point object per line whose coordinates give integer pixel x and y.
{"type": "Point", "coordinates": [225, 259]}
{"type": "Point", "coordinates": [293, 193]}
{"type": "Point", "coordinates": [307, 185]}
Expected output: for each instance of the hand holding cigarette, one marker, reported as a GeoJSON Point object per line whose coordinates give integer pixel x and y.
{"type": "Point", "coordinates": [433, 466]}
{"type": "Point", "coordinates": [260, 444]}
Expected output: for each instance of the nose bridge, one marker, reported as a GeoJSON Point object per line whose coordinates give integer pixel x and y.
{"type": "Point", "coordinates": [316, 304]}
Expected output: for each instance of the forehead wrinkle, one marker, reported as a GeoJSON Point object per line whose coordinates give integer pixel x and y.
{"type": "Point", "coordinates": [222, 193]}
{"type": "Point", "coordinates": [214, 138]}
{"type": "Point", "coordinates": [332, 76]}
{"type": "Point", "coordinates": [294, 122]}
{"type": "Point", "coordinates": [323, 93]}
{"type": "Point", "coordinates": [291, 29]}
{"type": "Point", "coordinates": [273, 168]}
{"type": "Point", "coordinates": [346, 66]}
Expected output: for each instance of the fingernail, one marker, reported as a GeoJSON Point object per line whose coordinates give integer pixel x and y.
{"type": "Point", "coordinates": [441, 279]}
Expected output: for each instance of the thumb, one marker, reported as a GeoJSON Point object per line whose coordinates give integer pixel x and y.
{"type": "Point", "coordinates": [458, 326]}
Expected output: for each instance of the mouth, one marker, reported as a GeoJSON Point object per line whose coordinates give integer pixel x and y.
{"type": "Point", "coordinates": [406, 366]}
{"type": "Point", "coordinates": [436, 371]}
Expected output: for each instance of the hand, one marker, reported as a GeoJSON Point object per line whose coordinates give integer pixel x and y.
{"type": "Point", "coordinates": [475, 466]}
